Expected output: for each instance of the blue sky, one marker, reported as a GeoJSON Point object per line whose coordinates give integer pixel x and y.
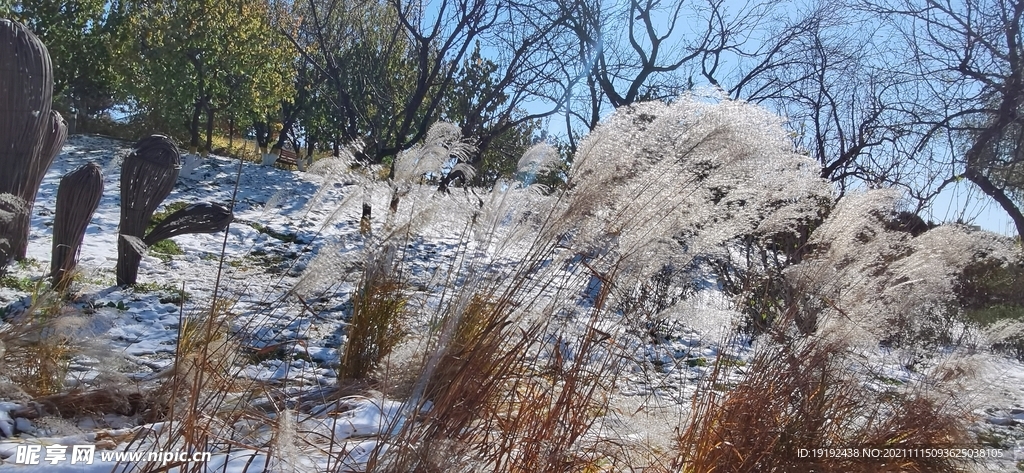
{"type": "Point", "coordinates": [958, 202]}
{"type": "Point", "coordinates": [965, 201]}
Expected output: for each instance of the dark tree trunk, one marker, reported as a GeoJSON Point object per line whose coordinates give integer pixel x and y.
{"type": "Point", "coordinates": [282, 137]}
{"type": "Point", "coordinates": [364, 220]}
{"type": "Point", "coordinates": [1005, 118]}
{"type": "Point", "coordinates": [193, 128]}
{"type": "Point", "coordinates": [209, 131]}
{"type": "Point", "coordinates": [262, 135]}
{"type": "Point", "coordinates": [999, 195]}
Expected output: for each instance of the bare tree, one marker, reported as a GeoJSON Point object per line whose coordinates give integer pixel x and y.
{"type": "Point", "coordinates": [849, 97]}
{"type": "Point", "coordinates": [390, 65]}
{"type": "Point", "coordinates": [829, 74]}
{"type": "Point", "coordinates": [966, 60]}
{"type": "Point", "coordinates": [654, 50]}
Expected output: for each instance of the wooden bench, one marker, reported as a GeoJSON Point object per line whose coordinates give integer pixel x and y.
{"type": "Point", "coordinates": [288, 157]}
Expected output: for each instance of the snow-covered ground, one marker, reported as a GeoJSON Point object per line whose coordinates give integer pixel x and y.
{"type": "Point", "coordinates": [267, 251]}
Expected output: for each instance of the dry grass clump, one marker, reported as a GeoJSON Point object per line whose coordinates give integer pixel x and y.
{"type": "Point", "coordinates": [472, 360]}
{"type": "Point", "coordinates": [375, 330]}
{"type": "Point", "coordinates": [552, 414]}
{"type": "Point", "coordinates": [96, 402]}
{"type": "Point", "coordinates": [504, 398]}
{"type": "Point", "coordinates": [198, 398]}
{"type": "Point", "coordinates": [36, 346]}
{"type": "Point", "coordinates": [36, 357]}
{"type": "Point", "coordinates": [204, 345]}
{"type": "Point", "coordinates": [803, 394]}
{"type": "Point", "coordinates": [863, 286]}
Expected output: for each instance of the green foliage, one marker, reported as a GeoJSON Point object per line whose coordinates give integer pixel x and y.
{"type": "Point", "coordinates": [991, 292]}
{"type": "Point", "coordinates": [146, 288]}
{"type": "Point", "coordinates": [271, 263]}
{"type": "Point", "coordinates": [475, 104]}
{"type": "Point", "coordinates": [259, 227]}
{"type": "Point", "coordinates": [164, 249]}
{"type": "Point", "coordinates": [476, 96]}
{"type": "Point", "coordinates": [191, 58]}
{"type": "Point", "coordinates": [120, 305]}
{"type": "Point", "coordinates": [81, 36]}
{"type": "Point", "coordinates": [367, 73]}
{"type": "Point", "coordinates": [161, 215]}
{"type": "Point", "coordinates": [22, 284]}
{"type": "Point", "coordinates": [170, 293]}
{"type": "Point", "coordinates": [993, 314]}
{"type": "Point", "coordinates": [695, 362]}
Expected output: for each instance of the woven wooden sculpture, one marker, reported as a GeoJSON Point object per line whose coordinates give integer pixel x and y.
{"type": "Point", "coordinates": [30, 134]}
{"type": "Point", "coordinates": [147, 177]}
{"type": "Point", "coordinates": [204, 217]}
{"type": "Point", "coordinates": [78, 196]}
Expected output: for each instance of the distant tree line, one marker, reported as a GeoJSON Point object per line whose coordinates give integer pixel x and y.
{"type": "Point", "coordinates": [916, 94]}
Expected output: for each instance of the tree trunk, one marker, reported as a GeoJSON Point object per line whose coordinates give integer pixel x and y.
{"type": "Point", "coordinates": [1005, 117]}
{"type": "Point", "coordinates": [209, 132]}
{"type": "Point", "coordinates": [999, 195]}
{"type": "Point", "coordinates": [282, 137]}
{"type": "Point", "coordinates": [364, 221]}
{"type": "Point", "coordinates": [262, 135]}
{"type": "Point", "coordinates": [193, 129]}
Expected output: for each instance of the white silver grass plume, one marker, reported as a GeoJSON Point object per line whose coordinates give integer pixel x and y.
{"type": "Point", "coordinates": [443, 142]}
{"type": "Point", "coordinates": [510, 215]}
{"type": "Point", "coordinates": [541, 157]}
{"type": "Point", "coordinates": [335, 168]}
{"type": "Point", "coordinates": [332, 265]}
{"type": "Point", "coordinates": [704, 167]}
{"type": "Point", "coordinates": [864, 280]}
{"type": "Point", "coordinates": [328, 172]}
{"type": "Point", "coordinates": [466, 169]}
{"type": "Point", "coordinates": [286, 452]}
{"type": "Point", "coordinates": [1004, 331]}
